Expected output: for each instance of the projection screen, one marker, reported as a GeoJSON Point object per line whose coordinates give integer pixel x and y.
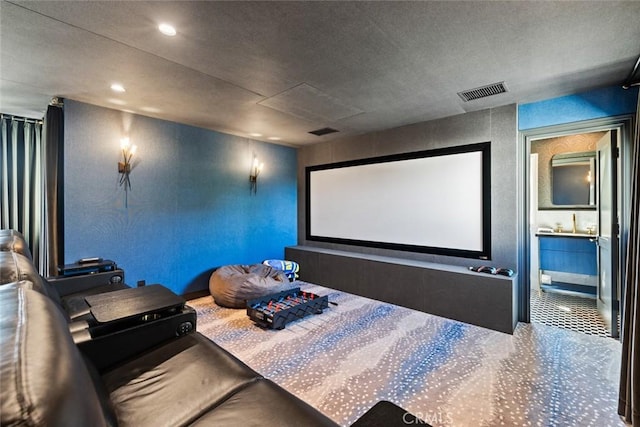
{"type": "Point", "coordinates": [435, 201]}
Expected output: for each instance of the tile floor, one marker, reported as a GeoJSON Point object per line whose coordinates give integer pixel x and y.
{"type": "Point", "coordinates": [567, 312]}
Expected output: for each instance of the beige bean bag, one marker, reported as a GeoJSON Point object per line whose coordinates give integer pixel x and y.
{"type": "Point", "coordinates": [232, 285]}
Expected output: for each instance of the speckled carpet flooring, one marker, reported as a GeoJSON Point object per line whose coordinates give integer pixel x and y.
{"type": "Point", "coordinates": [448, 373]}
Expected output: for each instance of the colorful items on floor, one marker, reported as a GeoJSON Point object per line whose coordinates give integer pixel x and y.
{"type": "Point", "coordinates": [289, 268]}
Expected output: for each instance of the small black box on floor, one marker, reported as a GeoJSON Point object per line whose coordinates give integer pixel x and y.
{"type": "Point", "coordinates": [387, 414]}
{"type": "Point", "coordinates": [276, 310]}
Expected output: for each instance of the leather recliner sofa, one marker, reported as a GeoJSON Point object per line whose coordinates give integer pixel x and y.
{"type": "Point", "coordinates": [16, 267]}
{"type": "Point", "coordinates": [187, 380]}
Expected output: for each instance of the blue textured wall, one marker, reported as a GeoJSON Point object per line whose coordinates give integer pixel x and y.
{"type": "Point", "coordinates": [190, 209]}
{"type": "Point", "coordinates": [595, 104]}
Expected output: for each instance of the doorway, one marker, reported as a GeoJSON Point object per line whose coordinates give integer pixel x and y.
{"type": "Point", "coordinates": [576, 198]}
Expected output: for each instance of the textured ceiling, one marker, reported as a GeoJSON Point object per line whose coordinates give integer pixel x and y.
{"type": "Point", "coordinates": [283, 69]}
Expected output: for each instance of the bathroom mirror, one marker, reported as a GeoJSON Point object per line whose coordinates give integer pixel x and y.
{"type": "Point", "coordinates": [573, 180]}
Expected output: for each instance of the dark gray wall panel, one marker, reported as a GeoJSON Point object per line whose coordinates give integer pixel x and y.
{"type": "Point", "coordinates": [448, 291]}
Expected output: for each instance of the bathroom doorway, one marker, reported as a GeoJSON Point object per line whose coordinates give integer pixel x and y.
{"type": "Point", "coordinates": [576, 198]}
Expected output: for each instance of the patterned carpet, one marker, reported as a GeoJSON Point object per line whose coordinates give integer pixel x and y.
{"type": "Point", "coordinates": [448, 373]}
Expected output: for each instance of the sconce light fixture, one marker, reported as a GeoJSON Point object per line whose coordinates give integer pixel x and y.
{"type": "Point", "coordinates": [256, 168]}
{"type": "Point", "coordinates": [124, 167]}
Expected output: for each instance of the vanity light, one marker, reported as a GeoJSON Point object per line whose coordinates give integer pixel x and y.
{"type": "Point", "coordinates": [117, 87]}
{"type": "Point", "coordinates": [256, 168]}
{"type": "Point", "coordinates": [274, 138]}
{"type": "Point", "coordinates": [255, 134]}
{"type": "Point", "coordinates": [167, 29]}
{"type": "Point", "coordinates": [124, 167]}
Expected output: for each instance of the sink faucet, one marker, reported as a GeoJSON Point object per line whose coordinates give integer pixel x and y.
{"type": "Point", "coordinates": [573, 220]}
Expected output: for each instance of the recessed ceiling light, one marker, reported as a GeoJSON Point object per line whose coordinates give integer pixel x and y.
{"type": "Point", "coordinates": [151, 109]}
{"type": "Point", "coordinates": [274, 138]}
{"type": "Point", "coordinates": [167, 29]}
{"type": "Point", "coordinates": [255, 134]}
{"type": "Point", "coordinates": [117, 87]}
{"type": "Point", "coordinates": [116, 101]}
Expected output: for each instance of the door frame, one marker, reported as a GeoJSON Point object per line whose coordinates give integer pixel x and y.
{"type": "Point", "coordinates": [624, 125]}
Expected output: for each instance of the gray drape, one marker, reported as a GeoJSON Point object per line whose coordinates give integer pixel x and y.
{"type": "Point", "coordinates": [22, 188]}
{"type": "Point", "coordinates": [54, 202]}
{"type": "Point", "coordinates": [629, 399]}
{"type": "Point", "coordinates": [31, 186]}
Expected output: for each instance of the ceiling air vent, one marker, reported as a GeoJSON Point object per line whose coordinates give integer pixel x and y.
{"type": "Point", "coordinates": [482, 92]}
{"type": "Point", "coordinates": [323, 131]}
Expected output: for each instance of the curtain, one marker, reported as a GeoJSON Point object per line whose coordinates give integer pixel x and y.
{"type": "Point", "coordinates": [22, 205]}
{"type": "Point", "coordinates": [53, 185]}
{"type": "Point", "coordinates": [629, 399]}
{"type": "Point", "coordinates": [31, 186]}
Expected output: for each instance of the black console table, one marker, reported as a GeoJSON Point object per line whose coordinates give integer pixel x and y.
{"type": "Point", "coordinates": [134, 302]}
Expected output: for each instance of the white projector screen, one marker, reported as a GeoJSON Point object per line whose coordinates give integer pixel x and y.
{"type": "Point", "coordinates": [435, 201]}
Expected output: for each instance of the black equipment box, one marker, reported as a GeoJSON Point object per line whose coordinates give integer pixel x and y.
{"type": "Point", "coordinates": [67, 285]}
{"type": "Point", "coordinates": [107, 346]}
{"type": "Point", "coordinates": [124, 304]}
{"type": "Point", "coordinates": [129, 321]}
{"type": "Point", "coordinates": [276, 310]}
{"type": "Point", "coordinates": [89, 266]}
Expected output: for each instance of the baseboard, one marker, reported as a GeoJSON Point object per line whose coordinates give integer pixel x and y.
{"type": "Point", "coordinates": [196, 294]}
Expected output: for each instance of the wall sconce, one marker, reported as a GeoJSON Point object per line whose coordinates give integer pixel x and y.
{"type": "Point", "coordinates": [124, 167]}
{"type": "Point", "coordinates": [256, 168]}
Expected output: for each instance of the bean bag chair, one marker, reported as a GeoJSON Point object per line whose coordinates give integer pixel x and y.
{"type": "Point", "coordinates": [232, 285]}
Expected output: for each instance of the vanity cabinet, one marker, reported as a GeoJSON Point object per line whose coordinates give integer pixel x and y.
{"type": "Point", "coordinates": [571, 260]}
{"type": "Point", "coordinates": [569, 254]}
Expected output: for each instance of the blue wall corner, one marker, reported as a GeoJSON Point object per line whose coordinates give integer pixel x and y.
{"type": "Point", "coordinates": [190, 209]}
{"type": "Point", "coordinates": [595, 104]}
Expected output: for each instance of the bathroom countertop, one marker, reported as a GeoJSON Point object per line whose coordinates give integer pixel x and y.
{"type": "Point", "coordinates": [566, 234]}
